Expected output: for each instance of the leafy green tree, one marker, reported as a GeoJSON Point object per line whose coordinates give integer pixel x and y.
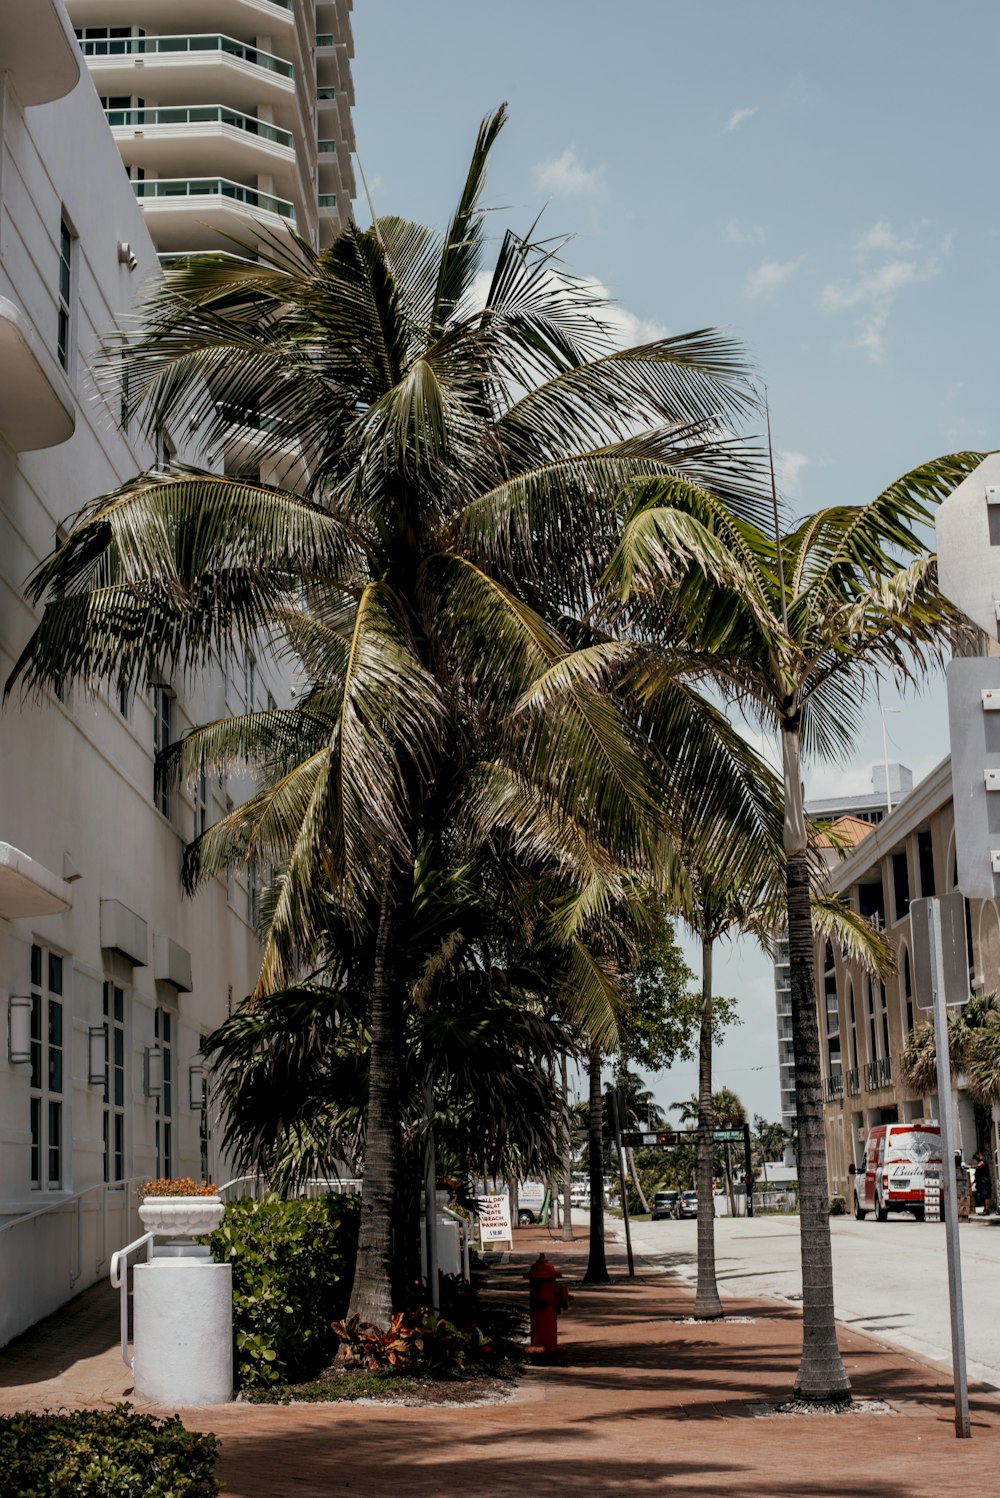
{"type": "Point", "coordinates": [794, 627]}
{"type": "Point", "coordinates": [468, 463]}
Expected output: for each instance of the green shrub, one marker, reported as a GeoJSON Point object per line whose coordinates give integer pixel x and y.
{"type": "Point", "coordinates": [838, 1206]}
{"type": "Point", "coordinates": [293, 1262]}
{"type": "Point", "coordinates": [105, 1454]}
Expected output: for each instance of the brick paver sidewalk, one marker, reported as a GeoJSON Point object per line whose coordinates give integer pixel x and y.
{"type": "Point", "coordinates": [645, 1403]}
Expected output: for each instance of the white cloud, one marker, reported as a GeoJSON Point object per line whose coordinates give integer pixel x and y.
{"type": "Point", "coordinates": [737, 234]}
{"type": "Point", "coordinates": [739, 117]}
{"type": "Point", "coordinates": [769, 275]}
{"type": "Point", "coordinates": [788, 467]}
{"type": "Point", "coordinates": [873, 288]}
{"type": "Point", "coordinates": [567, 176]}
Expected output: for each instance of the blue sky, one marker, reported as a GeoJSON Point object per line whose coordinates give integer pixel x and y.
{"type": "Point", "coordinates": [819, 179]}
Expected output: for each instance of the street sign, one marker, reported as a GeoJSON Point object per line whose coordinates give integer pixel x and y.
{"type": "Point", "coordinates": [727, 1136]}
{"type": "Point", "coordinates": [968, 538]}
{"type": "Point", "coordinates": [974, 726]}
{"type": "Point", "coordinates": [954, 952]}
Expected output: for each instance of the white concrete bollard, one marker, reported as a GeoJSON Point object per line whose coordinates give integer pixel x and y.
{"type": "Point", "coordinates": [183, 1331]}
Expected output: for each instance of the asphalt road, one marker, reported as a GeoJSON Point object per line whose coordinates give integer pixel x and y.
{"type": "Point", "coordinates": [890, 1278]}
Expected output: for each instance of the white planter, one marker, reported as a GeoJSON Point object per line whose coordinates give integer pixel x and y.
{"type": "Point", "coordinates": [181, 1216]}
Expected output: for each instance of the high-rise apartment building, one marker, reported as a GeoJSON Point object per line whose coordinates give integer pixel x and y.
{"type": "Point", "coordinates": [890, 783]}
{"type": "Point", "coordinates": [227, 113]}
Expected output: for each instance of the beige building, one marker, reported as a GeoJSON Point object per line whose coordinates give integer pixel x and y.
{"type": "Point", "coordinates": [227, 113]}
{"type": "Point", "coordinates": [864, 1023]}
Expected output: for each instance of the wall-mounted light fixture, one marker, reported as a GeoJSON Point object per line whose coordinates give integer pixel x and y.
{"type": "Point", "coordinates": [154, 1071]}
{"type": "Point", "coordinates": [97, 1069]}
{"type": "Point", "coordinates": [126, 254]}
{"type": "Point", "coordinates": [18, 1029]}
{"type": "Point", "coordinates": [196, 1086]}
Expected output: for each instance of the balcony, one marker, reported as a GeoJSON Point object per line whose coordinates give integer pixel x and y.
{"type": "Point", "coordinates": [852, 1082]}
{"type": "Point", "coordinates": [176, 68]}
{"type": "Point", "coordinates": [38, 50]}
{"type": "Point", "coordinates": [328, 202]}
{"type": "Point", "coordinates": [28, 888]}
{"type": "Point", "coordinates": [326, 147]}
{"type": "Point", "coordinates": [207, 137]}
{"type": "Point", "coordinates": [189, 213]}
{"type": "Point", "coordinates": [246, 17]}
{"type": "Point", "coordinates": [36, 403]}
{"type": "Point", "coordinates": [834, 1085]}
{"type": "Point", "coordinates": [878, 1074]}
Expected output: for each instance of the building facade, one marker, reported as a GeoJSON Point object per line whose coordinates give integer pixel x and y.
{"type": "Point", "coordinates": [890, 784]}
{"type": "Point", "coordinates": [109, 976]}
{"type": "Point", "coordinates": [228, 114]}
{"type": "Point", "coordinates": [865, 1023]}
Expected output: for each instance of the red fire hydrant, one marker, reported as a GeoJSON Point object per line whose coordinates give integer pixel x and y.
{"type": "Point", "coordinates": [546, 1299]}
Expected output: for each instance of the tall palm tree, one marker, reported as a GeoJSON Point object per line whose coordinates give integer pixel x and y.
{"type": "Point", "coordinates": [468, 459]}
{"type": "Point", "coordinates": [793, 627]}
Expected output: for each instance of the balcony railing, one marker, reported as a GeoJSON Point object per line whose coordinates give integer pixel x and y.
{"type": "Point", "coordinates": [201, 114]}
{"type": "Point", "coordinates": [219, 187]}
{"type": "Point", "coordinates": [130, 46]}
{"type": "Point", "coordinates": [835, 1085]}
{"type": "Point", "coordinates": [852, 1082]}
{"type": "Point", "coordinates": [325, 39]}
{"type": "Point", "coordinates": [326, 147]}
{"type": "Point", "coordinates": [878, 1074]}
{"type": "Point", "coordinates": [328, 200]}
{"type": "Point", "coordinates": [326, 93]}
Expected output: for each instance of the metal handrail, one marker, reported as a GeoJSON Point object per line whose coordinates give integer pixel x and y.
{"type": "Point", "coordinates": [200, 114]}
{"type": "Point", "coordinates": [74, 1202]}
{"type": "Point", "coordinates": [119, 1281]}
{"type": "Point", "coordinates": [130, 46]}
{"type": "Point", "coordinates": [221, 187]}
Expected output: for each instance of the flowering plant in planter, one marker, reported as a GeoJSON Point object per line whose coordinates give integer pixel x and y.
{"type": "Point", "coordinates": [178, 1186]}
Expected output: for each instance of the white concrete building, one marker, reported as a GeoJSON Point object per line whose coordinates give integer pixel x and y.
{"type": "Point", "coordinates": [109, 976]}
{"type": "Point", "coordinates": [227, 113]}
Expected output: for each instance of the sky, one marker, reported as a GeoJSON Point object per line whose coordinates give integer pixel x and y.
{"type": "Point", "coordinates": [819, 180]}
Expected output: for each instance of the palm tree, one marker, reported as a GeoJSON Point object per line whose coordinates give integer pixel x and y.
{"type": "Point", "coordinates": [467, 464]}
{"type": "Point", "coordinates": [793, 627]}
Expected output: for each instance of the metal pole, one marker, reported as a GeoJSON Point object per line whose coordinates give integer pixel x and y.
{"type": "Point", "coordinates": [430, 1201]}
{"type": "Point", "coordinates": [962, 1427]}
{"type": "Point", "coordinates": [748, 1168]}
{"type": "Point", "coordinates": [613, 1101]}
{"type": "Point", "coordinates": [567, 1229]}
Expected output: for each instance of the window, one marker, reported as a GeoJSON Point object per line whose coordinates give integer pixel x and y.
{"type": "Point", "coordinates": [164, 449]}
{"type": "Point", "coordinates": [46, 1088]}
{"type": "Point", "coordinates": [64, 299]}
{"type": "Point", "coordinates": [901, 884]}
{"type": "Point", "coordinates": [201, 801]}
{"type": "Point", "coordinates": [925, 858]}
{"type": "Point", "coordinates": [163, 1031]}
{"type": "Point", "coordinates": [114, 1082]}
{"type": "Point", "coordinates": [204, 1133]}
{"type": "Point", "coordinates": [163, 712]}
{"type": "Point", "coordinates": [253, 894]}
{"type": "Point", "coordinates": [908, 992]}
{"type": "Point", "coordinates": [251, 682]}
{"type": "Point", "coordinates": [871, 903]}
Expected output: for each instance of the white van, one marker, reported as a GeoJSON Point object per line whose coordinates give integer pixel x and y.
{"type": "Point", "coordinates": [897, 1161]}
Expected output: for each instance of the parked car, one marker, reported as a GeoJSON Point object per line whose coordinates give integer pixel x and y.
{"type": "Point", "coordinates": [663, 1205]}
{"type": "Point", "coordinates": [686, 1205]}
{"type": "Point", "coordinates": [897, 1161]}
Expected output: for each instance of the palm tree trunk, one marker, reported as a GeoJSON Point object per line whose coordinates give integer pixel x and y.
{"type": "Point", "coordinates": [821, 1375]}
{"type": "Point", "coordinates": [707, 1305]}
{"type": "Point", "coordinates": [630, 1158]}
{"type": "Point", "coordinates": [371, 1292]}
{"type": "Point", "coordinates": [597, 1264]}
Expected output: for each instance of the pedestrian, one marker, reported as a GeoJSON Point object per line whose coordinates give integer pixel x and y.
{"type": "Point", "coordinates": [983, 1183]}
